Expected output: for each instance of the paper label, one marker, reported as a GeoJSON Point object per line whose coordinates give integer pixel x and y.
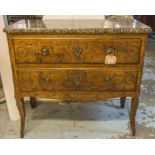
{"type": "Point", "coordinates": [110, 59]}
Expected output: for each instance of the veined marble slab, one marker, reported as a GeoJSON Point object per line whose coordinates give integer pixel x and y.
{"type": "Point", "coordinates": [77, 26]}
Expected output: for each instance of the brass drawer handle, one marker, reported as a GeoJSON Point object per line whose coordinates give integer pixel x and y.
{"type": "Point", "coordinates": [110, 51]}
{"type": "Point", "coordinates": [45, 51]}
{"type": "Point", "coordinates": [110, 58]}
{"type": "Point", "coordinates": [108, 79]}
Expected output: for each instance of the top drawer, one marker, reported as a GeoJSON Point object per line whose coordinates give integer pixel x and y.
{"type": "Point", "coordinates": [70, 51]}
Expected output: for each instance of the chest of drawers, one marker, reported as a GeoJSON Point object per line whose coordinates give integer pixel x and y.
{"type": "Point", "coordinates": [72, 66]}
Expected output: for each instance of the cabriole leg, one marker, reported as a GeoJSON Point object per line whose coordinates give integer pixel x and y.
{"type": "Point", "coordinates": [122, 102]}
{"type": "Point", "coordinates": [133, 110]}
{"type": "Point", "coordinates": [21, 108]}
{"type": "Point", "coordinates": [33, 102]}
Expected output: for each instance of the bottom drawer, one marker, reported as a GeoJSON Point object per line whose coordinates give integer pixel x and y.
{"type": "Point", "coordinates": [77, 79]}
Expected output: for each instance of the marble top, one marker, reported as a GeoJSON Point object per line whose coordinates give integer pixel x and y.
{"type": "Point", "coordinates": [77, 26]}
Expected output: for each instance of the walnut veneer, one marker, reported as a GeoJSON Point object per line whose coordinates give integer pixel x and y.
{"type": "Point", "coordinates": [72, 67]}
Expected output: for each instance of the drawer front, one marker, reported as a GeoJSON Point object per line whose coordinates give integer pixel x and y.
{"type": "Point", "coordinates": [77, 80]}
{"type": "Point", "coordinates": [70, 51]}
